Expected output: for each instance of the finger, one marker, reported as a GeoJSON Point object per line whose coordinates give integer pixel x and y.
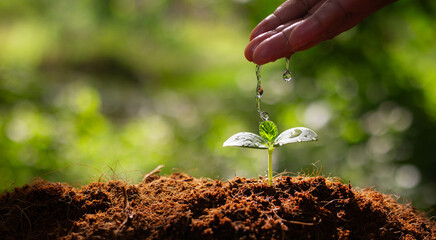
{"type": "Point", "coordinates": [355, 13]}
{"type": "Point", "coordinates": [331, 19]}
{"type": "Point", "coordinates": [315, 7]}
{"type": "Point", "coordinates": [249, 50]}
{"type": "Point", "coordinates": [274, 47]}
{"type": "Point", "coordinates": [271, 49]}
{"type": "Point", "coordinates": [364, 7]}
{"type": "Point", "coordinates": [316, 28]}
{"type": "Point", "coordinates": [288, 11]}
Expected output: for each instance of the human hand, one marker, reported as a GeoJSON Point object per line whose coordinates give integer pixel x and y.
{"type": "Point", "coordinates": [297, 25]}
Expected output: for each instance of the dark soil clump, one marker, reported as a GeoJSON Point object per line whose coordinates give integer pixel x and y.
{"type": "Point", "coordinates": [182, 207]}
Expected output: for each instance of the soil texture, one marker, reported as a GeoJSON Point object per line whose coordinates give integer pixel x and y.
{"type": "Point", "coordinates": [182, 207]}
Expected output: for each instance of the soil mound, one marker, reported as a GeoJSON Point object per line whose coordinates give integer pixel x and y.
{"type": "Point", "coordinates": [182, 207]}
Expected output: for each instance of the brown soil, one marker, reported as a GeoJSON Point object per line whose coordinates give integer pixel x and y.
{"type": "Point", "coordinates": [182, 207]}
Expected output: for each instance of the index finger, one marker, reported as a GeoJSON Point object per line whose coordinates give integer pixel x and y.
{"type": "Point", "coordinates": [287, 11]}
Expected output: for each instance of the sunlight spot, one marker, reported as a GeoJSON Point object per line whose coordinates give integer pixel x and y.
{"type": "Point", "coordinates": [380, 145]}
{"type": "Point", "coordinates": [17, 131]}
{"type": "Point", "coordinates": [407, 176]}
{"type": "Point", "coordinates": [317, 115]}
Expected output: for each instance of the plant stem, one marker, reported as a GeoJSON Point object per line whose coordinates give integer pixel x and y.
{"type": "Point", "coordinates": [270, 152]}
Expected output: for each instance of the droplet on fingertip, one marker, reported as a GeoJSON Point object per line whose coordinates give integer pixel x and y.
{"type": "Point", "coordinates": [287, 76]}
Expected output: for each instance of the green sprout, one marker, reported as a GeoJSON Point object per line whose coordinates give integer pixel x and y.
{"type": "Point", "coordinates": [269, 139]}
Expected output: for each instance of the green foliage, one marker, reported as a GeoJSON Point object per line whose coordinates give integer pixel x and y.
{"type": "Point", "coordinates": [299, 134]}
{"type": "Point", "coordinates": [247, 140]}
{"type": "Point", "coordinates": [268, 130]}
{"type": "Point", "coordinates": [268, 139]}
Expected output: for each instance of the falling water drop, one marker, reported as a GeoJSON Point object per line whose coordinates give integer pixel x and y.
{"type": "Point", "coordinates": [264, 116]}
{"type": "Point", "coordinates": [287, 74]}
{"type": "Point", "coordinates": [259, 90]}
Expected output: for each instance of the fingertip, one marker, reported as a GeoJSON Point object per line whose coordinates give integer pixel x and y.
{"type": "Point", "coordinates": [252, 45]}
{"type": "Point", "coordinates": [249, 53]}
{"type": "Point", "coordinates": [262, 55]}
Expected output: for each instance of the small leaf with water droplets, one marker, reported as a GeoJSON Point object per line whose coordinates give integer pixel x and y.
{"type": "Point", "coordinates": [268, 130]}
{"type": "Point", "coordinates": [247, 140]}
{"type": "Point", "coordinates": [298, 134]}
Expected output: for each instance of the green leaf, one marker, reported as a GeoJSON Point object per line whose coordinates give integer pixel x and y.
{"type": "Point", "coordinates": [298, 134]}
{"type": "Point", "coordinates": [246, 139]}
{"type": "Point", "coordinates": [268, 130]}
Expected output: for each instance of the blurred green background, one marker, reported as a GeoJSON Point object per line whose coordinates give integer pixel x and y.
{"type": "Point", "coordinates": [111, 89]}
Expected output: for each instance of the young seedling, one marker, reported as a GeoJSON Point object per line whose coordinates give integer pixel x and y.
{"type": "Point", "coordinates": [269, 140]}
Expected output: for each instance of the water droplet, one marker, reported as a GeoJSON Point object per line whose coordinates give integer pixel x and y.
{"type": "Point", "coordinates": [299, 140]}
{"type": "Point", "coordinates": [314, 139]}
{"type": "Point", "coordinates": [287, 76]}
{"type": "Point", "coordinates": [264, 116]}
{"type": "Point", "coordinates": [280, 144]}
{"type": "Point", "coordinates": [259, 91]}
{"type": "Point", "coordinates": [258, 68]}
